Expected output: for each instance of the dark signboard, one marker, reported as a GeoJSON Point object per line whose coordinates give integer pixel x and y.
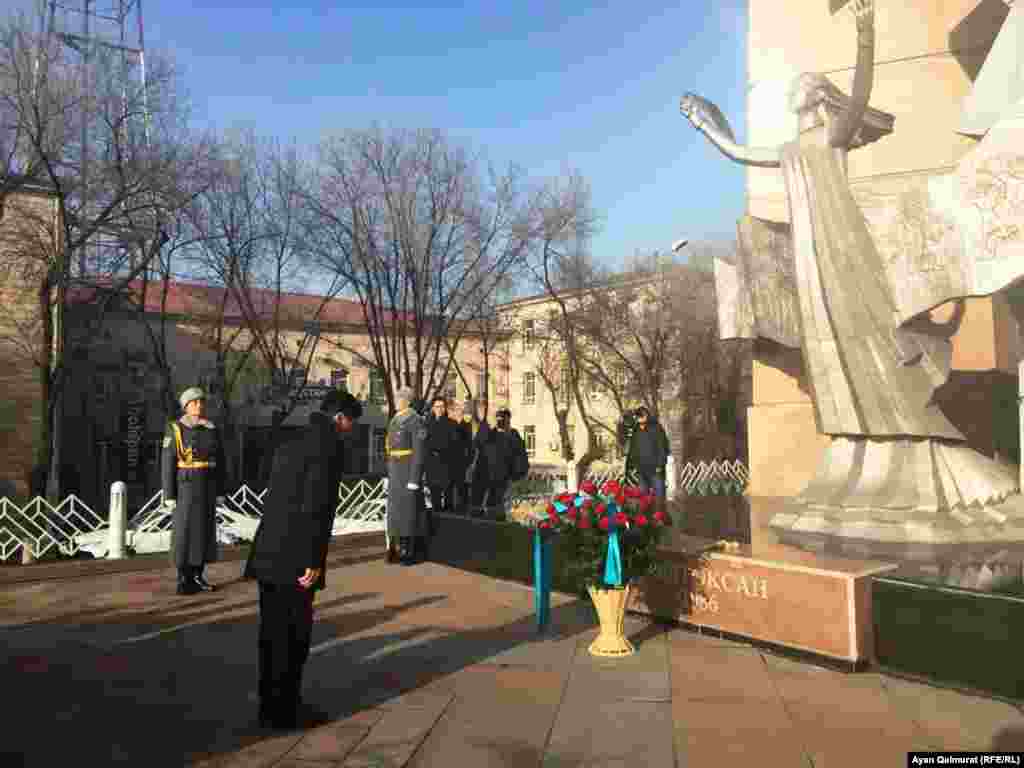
{"type": "Point", "coordinates": [133, 431]}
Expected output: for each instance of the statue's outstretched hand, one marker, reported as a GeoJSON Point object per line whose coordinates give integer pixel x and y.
{"type": "Point", "coordinates": [689, 107]}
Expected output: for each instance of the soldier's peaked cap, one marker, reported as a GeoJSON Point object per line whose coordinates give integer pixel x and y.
{"type": "Point", "coordinates": [190, 394]}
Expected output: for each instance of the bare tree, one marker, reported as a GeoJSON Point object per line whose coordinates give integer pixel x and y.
{"type": "Point", "coordinates": [105, 226]}
{"type": "Point", "coordinates": [564, 222]}
{"type": "Point", "coordinates": [487, 327]}
{"type": "Point", "coordinates": [249, 253]}
{"type": "Point", "coordinates": [420, 235]}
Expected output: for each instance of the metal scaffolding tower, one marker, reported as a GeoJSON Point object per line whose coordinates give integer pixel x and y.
{"type": "Point", "coordinates": [88, 30]}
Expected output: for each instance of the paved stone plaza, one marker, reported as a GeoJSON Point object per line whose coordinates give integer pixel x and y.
{"type": "Point", "coordinates": [429, 666]}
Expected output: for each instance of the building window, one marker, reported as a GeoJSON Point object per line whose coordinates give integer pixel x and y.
{"type": "Point", "coordinates": [530, 438]}
{"type": "Point", "coordinates": [380, 441]}
{"type": "Point", "coordinates": [529, 334]}
{"type": "Point", "coordinates": [339, 378]}
{"type": "Point", "coordinates": [529, 388]}
{"type": "Point", "coordinates": [378, 389]}
{"type": "Point", "coordinates": [570, 430]}
{"type": "Point", "coordinates": [482, 387]}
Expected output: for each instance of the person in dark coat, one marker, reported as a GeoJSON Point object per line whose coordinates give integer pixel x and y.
{"type": "Point", "coordinates": [464, 453]}
{"type": "Point", "coordinates": [408, 526]}
{"type": "Point", "coordinates": [444, 458]}
{"type": "Point", "coordinates": [502, 452]}
{"type": "Point", "coordinates": [289, 554]}
{"type": "Point", "coordinates": [192, 476]}
{"type": "Point", "coordinates": [648, 452]}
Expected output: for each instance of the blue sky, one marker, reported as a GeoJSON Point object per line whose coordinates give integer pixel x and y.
{"type": "Point", "coordinates": [589, 86]}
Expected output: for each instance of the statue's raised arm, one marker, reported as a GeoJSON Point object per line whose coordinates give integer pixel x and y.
{"type": "Point", "coordinates": [842, 131]}
{"type": "Point", "coordinates": [709, 120]}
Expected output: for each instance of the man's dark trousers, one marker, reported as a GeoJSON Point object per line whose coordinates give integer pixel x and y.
{"type": "Point", "coordinates": [650, 480]}
{"type": "Point", "coordinates": [286, 627]}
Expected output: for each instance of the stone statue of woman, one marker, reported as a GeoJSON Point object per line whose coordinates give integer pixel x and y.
{"type": "Point", "coordinates": [895, 465]}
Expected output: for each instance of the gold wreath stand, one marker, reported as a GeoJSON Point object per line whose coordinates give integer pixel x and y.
{"type": "Point", "coordinates": [611, 613]}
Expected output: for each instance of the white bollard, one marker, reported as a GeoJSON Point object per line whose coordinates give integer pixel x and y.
{"type": "Point", "coordinates": [670, 478]}
{"type": "Point", "coordinates": [118, 520]}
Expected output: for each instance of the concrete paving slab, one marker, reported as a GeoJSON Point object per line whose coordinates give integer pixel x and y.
{"type": "Point", "coordinates": [952, 720]}
{"type": "Point", "coordinates": [591, 731]}
{"type": "Point", "coordinates": [724, 730]}
{"type": "Point", "coordinates": [703, 671]}
{"type": "Point", "coordinates": [396, 736]}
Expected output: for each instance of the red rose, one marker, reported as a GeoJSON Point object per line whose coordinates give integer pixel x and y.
{"type": "Point", "coordinates": [601, 507]}
{"type": "Point", "coordinates": [588, 487]}
{"type": "Point", "coordinates": [659, 516]}
{"type": "Point", "coordinates": [553, 515]}
{"type": "Point", "coordinates": [620, 499]}
{"type": "Point", "coordinates": [544, 524]}
{"type": "Point", "coordinates": [571, 514]}
{"type": "Point", "coordinates": [603, 523]}
{"type": "Point", "coordinates": [621, 519]}
{"type": "Point", "coordinates": [640, 520]}
{"type": "Point", "coordinates": [644, 503]}
{"type": "Point", "coordinates": [550, 509]}
{"type": "Point", "coordinates": [588, 505]}
{"type": "Point", "coordinates": [584, 522]}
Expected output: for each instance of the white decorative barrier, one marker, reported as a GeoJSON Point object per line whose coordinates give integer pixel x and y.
{"type": "Point", "coordinates": [73, 527]}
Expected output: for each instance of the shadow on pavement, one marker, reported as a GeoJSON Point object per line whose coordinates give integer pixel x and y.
{"type": "Point", "coordinates": [187, 691]}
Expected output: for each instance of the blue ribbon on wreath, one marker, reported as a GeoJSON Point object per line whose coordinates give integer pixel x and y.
{"type": "Point", "coordinates": [613, 558]}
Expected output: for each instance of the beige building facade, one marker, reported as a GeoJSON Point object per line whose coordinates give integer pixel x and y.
{"type": "Point", "coordinates": [928, 56]}
{"type": "Point", "coordinates": [531, 354]}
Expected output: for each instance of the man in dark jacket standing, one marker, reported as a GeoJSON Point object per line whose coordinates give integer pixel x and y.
{"type": "Point", "coordinates": [192, 476]}
{"type": "Point", "coordinates": [289, 553]}
{"type": "Point", "coordinates": [463, 472]}
{"type": "Point", "coordinates": [506, 460]}
{"type": "Point", "coordinates": [648, 452]}
{"type": "Point", "coordinates": [444, 458]}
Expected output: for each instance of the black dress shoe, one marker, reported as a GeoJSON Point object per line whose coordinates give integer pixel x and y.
{"type": "Point", "coordinates": [307, 716]}
{"type": "Point", "coordinates": [188, 588]}
{"type": "Point", "coordinates": [277, 722]}
{"type": "Point", "coordinates": [204, 585]}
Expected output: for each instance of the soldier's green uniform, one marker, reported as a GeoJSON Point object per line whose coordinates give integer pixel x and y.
{"type": "Point", "coordinates": [407, 513]}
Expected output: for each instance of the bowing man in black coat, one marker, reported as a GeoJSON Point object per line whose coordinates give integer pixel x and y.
{"type": "Point", "coordinates": [289, 554]}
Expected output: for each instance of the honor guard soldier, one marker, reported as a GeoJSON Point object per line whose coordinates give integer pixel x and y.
{"type": "Point", "coordinates": [192, 474]}
{"type": "Point", "coordinates": [407, 514]}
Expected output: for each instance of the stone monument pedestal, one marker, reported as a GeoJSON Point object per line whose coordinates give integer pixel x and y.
{"type": "Point", "coordinates": [767, 591]}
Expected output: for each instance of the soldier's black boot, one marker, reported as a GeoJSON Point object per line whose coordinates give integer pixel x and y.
{"type": "Point", "coordinates": [201, 581]}
{"type": "Point", "coordinates": [406, 556]}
